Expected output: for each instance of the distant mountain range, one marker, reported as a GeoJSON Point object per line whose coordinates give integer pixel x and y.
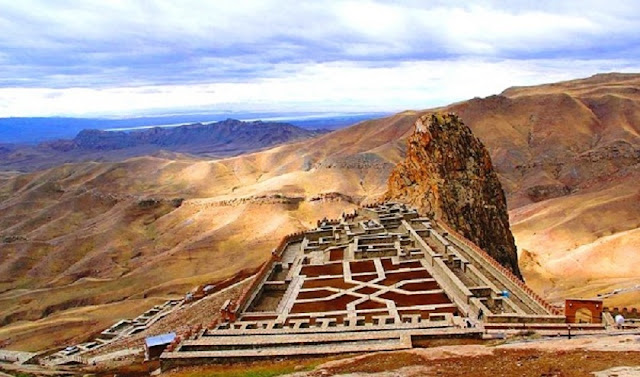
{"type": "Point", "coordinates": [221, 139]}
{"type": "Point", "coordinates": [32, 130]}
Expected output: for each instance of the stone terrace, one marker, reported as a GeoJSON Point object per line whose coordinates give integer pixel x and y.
{"type": "Point", "coordinates": [381, 279]}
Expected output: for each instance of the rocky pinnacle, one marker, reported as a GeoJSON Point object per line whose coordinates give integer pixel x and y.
{"type": "Point", "coordinates": [448, 175]}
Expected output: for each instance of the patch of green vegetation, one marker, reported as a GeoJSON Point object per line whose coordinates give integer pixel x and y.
{"type": "Point", "coordinates": [23, 374]}
{"type": "Point", "coordinates": [16, 373]}
{"type": "Point", "coordinates": [177, 202]}
{"type": "Point", "coordinates": [263, 369]}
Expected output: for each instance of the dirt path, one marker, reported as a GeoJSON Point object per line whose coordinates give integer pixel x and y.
{"type": "Point", "coordinates": [534, 357]}
{"type": "Point", "coordinates": [116, 355]}
{"type": "Point", "coordinates": [31, 369]}
{"type": "Point", "coordinates": [619, 372]}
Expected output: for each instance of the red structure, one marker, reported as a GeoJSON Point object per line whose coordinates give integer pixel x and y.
{"type": "Point", "coordinates": [229, 311]}
{"type": "Point", "coordinates": [583, 311]}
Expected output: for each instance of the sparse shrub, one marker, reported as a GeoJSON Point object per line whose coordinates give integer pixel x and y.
{"type": "Point", "coordinates": [148, 203]}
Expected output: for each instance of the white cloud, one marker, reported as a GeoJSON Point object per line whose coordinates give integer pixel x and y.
{"type": "Point", "coordinates": [489, 31]}
{"type": "Point", "coordinates": [338, 86]}
{"type": "Point", "coordinates": [113, 57]}
{"type": "Point", "coordinates": [494, 26]}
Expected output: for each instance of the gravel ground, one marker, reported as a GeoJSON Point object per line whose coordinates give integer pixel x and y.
{"type": "Point", "coordinates": [537, 357]}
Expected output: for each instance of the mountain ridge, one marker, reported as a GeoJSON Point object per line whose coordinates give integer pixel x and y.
{"type": "Point", "coordinates": [84, 218]}
{"type": "Point", "coordinates": [220, 139]}
{"type": "Point", "coordinates": [212, 135]}
{"type": "Point", "coordinates": [33, 130]}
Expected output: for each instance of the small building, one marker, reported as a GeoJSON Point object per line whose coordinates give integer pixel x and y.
{"type": "Point", "coordinates": [583, 310]}
{"type": "Point", "coordinates": [154, 345]}
{"type": "Point", "coordinates": [71, 350]}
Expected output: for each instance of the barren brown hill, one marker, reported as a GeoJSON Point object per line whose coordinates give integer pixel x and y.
{"type": "Point", "coordinates": [569, 157]}
{"type": "Point", "coordinates": [106, 235]}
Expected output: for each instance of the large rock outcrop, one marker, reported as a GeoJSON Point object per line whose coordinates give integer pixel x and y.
{"type": "Point", "coordinates": [448, 175]}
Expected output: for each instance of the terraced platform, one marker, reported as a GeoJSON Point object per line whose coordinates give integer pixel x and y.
{"type": "Point", "coordinates": [379, 279]}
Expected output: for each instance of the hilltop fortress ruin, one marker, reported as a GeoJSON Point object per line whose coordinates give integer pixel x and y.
{"type": "Point", "coordinates": [382, 278]}
{"type": "Point", "coordinates": [434, 259]}
{"type": "Point", "coordinates": [389, 276]}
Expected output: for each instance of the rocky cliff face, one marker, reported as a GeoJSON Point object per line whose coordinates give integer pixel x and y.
{"type": "Point", "coordinates": [448, 175]}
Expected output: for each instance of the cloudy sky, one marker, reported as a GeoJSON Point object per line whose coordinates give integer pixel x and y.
{"type": "Point", "coordinates": [127, 57]}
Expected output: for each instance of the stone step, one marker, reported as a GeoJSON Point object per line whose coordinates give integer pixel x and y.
{"type": "Point", "coordinates": [328, 346]}
{"type": "Point", "coordinates": [283, 339]}
{"type": "Point", "coordinates": [543, 326]}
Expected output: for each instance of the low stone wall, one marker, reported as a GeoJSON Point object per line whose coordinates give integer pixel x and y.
{"type": "Point", "coordinates": [506, 272]}
{"type": "Point", "coordinates": [507, 318]}
{"type": "Point", "coordinates": [266, 270]}
{"type": "Point", "coordinates": [630, 313]}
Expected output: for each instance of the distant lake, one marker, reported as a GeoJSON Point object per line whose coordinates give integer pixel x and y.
{"type": "Point", "coordinates": [38, 129]}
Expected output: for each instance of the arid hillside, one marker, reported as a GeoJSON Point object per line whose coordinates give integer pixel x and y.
{"type": "Point", "coordinates": [108, 235]}
{"type": "Point", "coordinates": [569, 158]}
{"type": "Point", "coordinates": [104, 236]}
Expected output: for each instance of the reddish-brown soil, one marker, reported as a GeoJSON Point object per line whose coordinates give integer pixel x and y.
{"type": "Point", "coordinates": [509, 363]}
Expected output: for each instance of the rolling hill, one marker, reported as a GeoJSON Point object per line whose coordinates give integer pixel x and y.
{"type": "Point", "coordinates": [102, 235]}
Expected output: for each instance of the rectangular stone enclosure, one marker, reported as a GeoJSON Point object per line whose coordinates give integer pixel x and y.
{"type": "Point", "coordinates": [378, 279]}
